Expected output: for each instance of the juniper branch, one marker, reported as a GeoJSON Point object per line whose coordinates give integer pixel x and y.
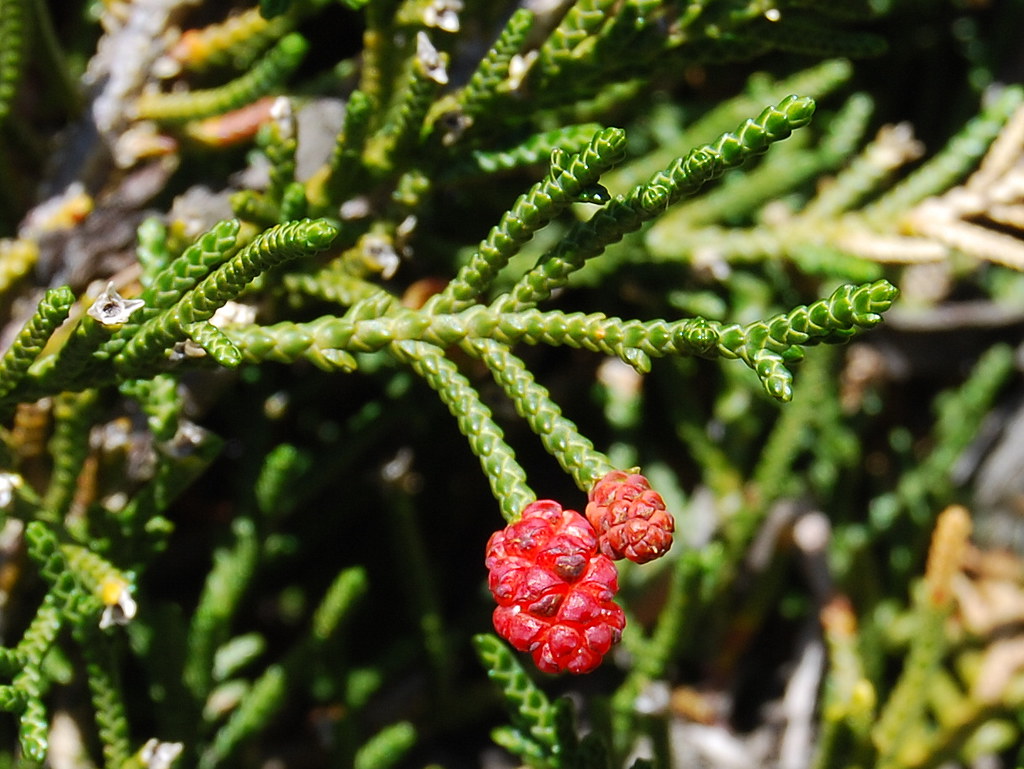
{"type": "Point", "coordinates": [574, 452]}
{"type": "Point", "coordinates": [627, 213]}
{"type": "Point", "coordinates": [267, 695]}
{"type": "Point", "coordinates": [74, 414]}
{"type": "Point", "coordinates": [764, 345]}
{"type": "Point", "coordinates": [270, 248]}
{"type": "Point", "coordinates": [346, 162]}
{"type": "Point", "coordinates": [485, 84]}
{"type": "Point", "coordinates": [529, 213]}
{"type": "Point", "coordinates": [13, 43]}
{"type": "Point", "coordinates": [506, 477]}
{"type": "Point", "coordinates": [532, 714]}
{"type": "Point", "coordinates": [269, 72]}
{"type": "Point", "coordinates": [29, 343]}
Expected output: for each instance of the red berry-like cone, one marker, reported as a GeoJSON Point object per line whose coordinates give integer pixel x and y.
{"type": "Point", "coordinates": [554, 589]}
{"type": "Point", "coordinates": [629, 517]}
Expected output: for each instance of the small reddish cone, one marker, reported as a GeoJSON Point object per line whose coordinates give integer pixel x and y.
{"type": "Point", "coordinates": [629, 517]}
{"type": "Point", "coordinates": [554, 589]}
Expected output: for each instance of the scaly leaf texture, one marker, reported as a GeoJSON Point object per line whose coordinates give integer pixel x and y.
{"type": "Point", "coordinates": [908, 702]}
{"type": "Point", "coordinates": [74, 415]}
{"type": "Point", "coordinates": [213, 342]}
{"type": "Point", "coordinates": [520, 745]}
{"type": "Point", "coordinates": [536, 149]}
{"type": "Point", "coordinates": [13, 41]}
{"type": "Point", "coordinates": [265, 698]}
{"type": "Point", "coordinates": [346, 163]}
{"type": "Point", "coordinates": [597, 43]}
{"type": "Point", "coordinates": [492, 72]}
{"type": "Point", "coordinates": [152, 252]}
{"type": "Point", "coordinates": [529, 213]}
{"type": "Point", "coordinates": [531, 712]}
{"type": "Point", "coordinates": [92, 570]}
{"type": "Point", "coordinates": [39, 636]}
{"type": "Point", "coordinates": [808, 35]}
{"type": "Point", "coordinates": [280, 144]}
{"type": "Point", "coordinates": [265, 75]}
{"type": "Point", "coordinates": [270, 248]}
{"type": "Point", "coordinates": [78, 358]}
{"type": "Point", "coordinates": [927, 483]}
{"type": "Point", "coordinates": [765, 346]}
{"type": "Point", "coordinates": [742, 193]}
{"type": "Point", "coordinates": [506, 477]}
{"type": "Point", "coordinates": [53, 309]}
{"type": "Point", "coordinates": [341, 598]}
{"type": "Point", "coordinates": [778, 339]}
{"type": "Point", "coordinates": [233, 568]}
{"type": "Point", "coordinates": [58, 606]}
{"type": "Point", "coordinates": [12, 700]}
{"type": "Point", "coordinates": [237, 41]}
{"type": "Point", "coordinates": [403, 125]}
{"type": "Point", "coordinates": [160, 400]}
{"type": "Point", "coordinates": [815, 82]}
{"type": "Point", "coordinates": [387, 747]}
{"type": "Point", "coordinates": [43, 547]}
{"type": "Point", "coordinates": [283, 470]}
{"type": "Point", "coordinates": [101, 673]}
{"type": "Point", "coordinates": [627, 213]}
{"type": "Point", "coordinates": [583, 20]}
{"type": "Point", "coordinates": [574, 452]}
{"type": "Point", "coordinates": [33, 728]}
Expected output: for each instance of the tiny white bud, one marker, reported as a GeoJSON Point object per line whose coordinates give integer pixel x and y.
{"type": "Point", "coordinates": [443, 14]}
{"type": "Point", "coordinates": [380, 255]}
{"type": "Point", "coordinates": [9, 483]}
{"type": "Point", "coordinates": [281, 112]}
{"type": "Point", "coordinates": [356, 208]}
{"type": "Point", "coordinates": [430, 59]}
{"type": "Point", "coordinates": [519, 68]}
{"type": "Point", "coordinates": [111, 309]}
{"type": "Point", "coordinates": [159, 755]}
{"type": "Point", "coordinates": [119, 608]}
{"type": "Point", "coordinates": [233, 315]}
{"type": "Point", "coordinates": [406, 227]}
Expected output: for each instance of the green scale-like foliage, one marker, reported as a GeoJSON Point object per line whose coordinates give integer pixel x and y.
{"type": "Point", "coordinates": [507, 479]}
{"type": "Point", "coordinates": [264, 76]}
{"type": "Point", "coordinates": [51, 312]}
{"type": "Point", "coordinates": [765, 346]}
{"type": "Point", "coordinates": [627, 213]}
{"type": "Point", "coordinates": [13, 16]}
{"type": "Point", "coordinates": [308, 574]}
{"type": "Point", "coordinates": [534, 734]}
{"type": "Point", "coordinates": [272, 247]}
